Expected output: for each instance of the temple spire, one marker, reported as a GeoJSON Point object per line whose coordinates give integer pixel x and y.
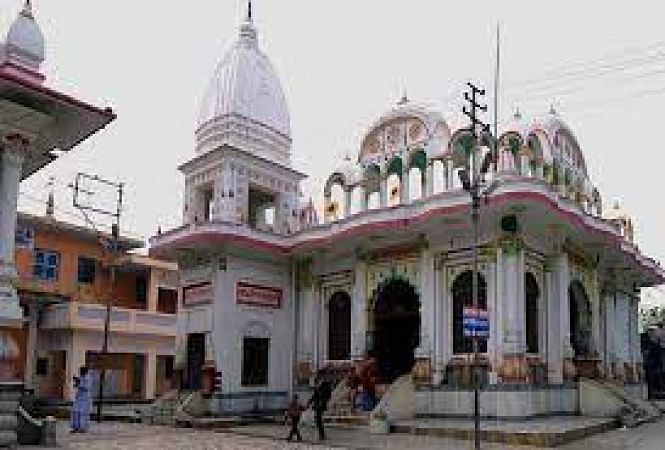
{"type": "Point", "coordinates": [249, 10]}
{"type": "Point", "coordinates": [27, 8]}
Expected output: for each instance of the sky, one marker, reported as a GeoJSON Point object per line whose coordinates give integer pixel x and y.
{"type": "Point", "coordinates": [342, 64]}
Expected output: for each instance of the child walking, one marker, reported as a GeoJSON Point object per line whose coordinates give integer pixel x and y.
{"type": "Point", "coordinates": [293, 414]}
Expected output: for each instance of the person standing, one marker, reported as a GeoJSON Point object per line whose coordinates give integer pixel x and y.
{"type": "Point", "coordinates": [319, 403]}
{"type": "Point", "coordinates": [80, 420]}
{"type": "Point", "coordinates": [293, 414]}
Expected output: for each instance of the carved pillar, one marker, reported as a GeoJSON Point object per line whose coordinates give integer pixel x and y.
{"type": "Point", "coordinates": [347, 201]}
{"type": "Point", "coordinates": [429, 180]}
{"type": "Point", "coordinates": [12, 156]}
{"type": "Point", "coordinates": [363, 199]}
{"type": "Point", "coordinates": [383, 192]}
{"type": "Point", "coordinates": [514, 337]}
{"type": "Point", "coordinates": [440, 320]}
{"type": "Point", "coordinates": [450, 173]}
{"type": "Point", "coordinates": [553, 346]}
{"type": "Point", "coordinates": [359, 308]}
{"type": "Point", "coordinates": [404, 188]}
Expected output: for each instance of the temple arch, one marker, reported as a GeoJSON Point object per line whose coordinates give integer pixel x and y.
{"type": "Point", "coordinates": [339, 326]}
{"type": "Point", "coordinates": [462, 297]}
{"type": "Point", "coordinates": [396, 327]}
{"type": "Point", "coordinates": [580, 319]}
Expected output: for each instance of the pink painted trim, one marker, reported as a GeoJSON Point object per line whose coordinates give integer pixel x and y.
{"type": "Point", "coordinates": [393, 224]}
{"type": "Point", "coordinates": [56, 95]}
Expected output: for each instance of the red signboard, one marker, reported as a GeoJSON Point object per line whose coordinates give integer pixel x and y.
{"type": "Point", "coordinates": [196, 294]}
{"type": "Point", "coordinates": [255, 295]}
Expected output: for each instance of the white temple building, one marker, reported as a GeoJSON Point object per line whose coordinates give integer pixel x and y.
{"type": "Point", "coordinates": [271, 297]}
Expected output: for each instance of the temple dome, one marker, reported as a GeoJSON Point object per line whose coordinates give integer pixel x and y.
{"type": "Point", "coordinates": [245, 92]}
{"type": "Point", "coordinates": [24, 44]}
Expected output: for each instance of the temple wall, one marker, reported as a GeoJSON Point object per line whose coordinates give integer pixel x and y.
{"type": "Point", "coordinates": [234, 321]}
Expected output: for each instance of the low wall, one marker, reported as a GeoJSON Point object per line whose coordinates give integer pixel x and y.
{"type": "Point", "coordinates": [250, 402]}
{"type": "Point", "coordinates": [500, 401]}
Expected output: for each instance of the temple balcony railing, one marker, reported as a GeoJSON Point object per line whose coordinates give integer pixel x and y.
{"type": "Point", "coordinates": [91, 317]}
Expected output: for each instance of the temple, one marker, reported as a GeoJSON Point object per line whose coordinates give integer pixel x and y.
{"type": "Point", "coordinates": [271, 296]}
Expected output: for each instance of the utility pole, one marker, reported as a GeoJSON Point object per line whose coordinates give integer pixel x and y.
{"type": "Point", "coordinates": [471, 182]}
{"type": "Point", "coordinates": [114, 253]}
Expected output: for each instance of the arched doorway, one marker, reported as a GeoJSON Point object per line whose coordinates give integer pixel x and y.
{"type": "Point", "coordinates": [396, 327]}
{"type": "Point", "coordinates": [339, 326]}
{"type": "Point", "coordinates": [532, 293]}
{"type": "Point", "coordinates": [580, 319]}
{"type": "Point", "coordinates": [463, 296]}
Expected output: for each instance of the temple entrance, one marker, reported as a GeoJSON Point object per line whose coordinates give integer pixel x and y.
{"type": "Point", "coordinates": [396, 309]}
{"type": "Point", "coordinates": [339, 326]}
{"type": "Point", "coordinates": [580, 320]}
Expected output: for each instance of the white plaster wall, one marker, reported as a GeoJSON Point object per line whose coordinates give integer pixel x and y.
{"type": "Point", "coordinates": [231, 321]}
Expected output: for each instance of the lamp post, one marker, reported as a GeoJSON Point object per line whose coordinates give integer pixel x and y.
{"type": "Point", "coordinates": [472, 179]}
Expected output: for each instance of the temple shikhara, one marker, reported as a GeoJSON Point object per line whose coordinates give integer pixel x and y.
{"type": "Point", "coordinates": [273, 293]}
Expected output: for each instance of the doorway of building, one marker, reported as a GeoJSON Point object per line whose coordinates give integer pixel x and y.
{"type": "Point", "coordinates": [396, 312]}
{"type": "Point", "coordinates": [580, 319]}
{"type": "Point", "coordinates": [195, 360]}
{"type": "Point", "coordinates": [339, 326]}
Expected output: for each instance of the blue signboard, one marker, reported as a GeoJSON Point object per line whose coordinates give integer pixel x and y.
{"type": "Point", "coordinates": [476, 323]}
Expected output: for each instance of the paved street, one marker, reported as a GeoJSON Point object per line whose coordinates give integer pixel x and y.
{"type": "Point", "coordinates": [139, 437]}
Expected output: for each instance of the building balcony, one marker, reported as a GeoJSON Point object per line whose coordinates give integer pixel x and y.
{"type": "Point", "coordinates": [91, 317]}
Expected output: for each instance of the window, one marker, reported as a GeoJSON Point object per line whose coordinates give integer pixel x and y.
{"type": "Point", "coordinates": [86, 270]}
{"type": "Point", "coordinates": [167, 300]}
{"type": "Point", "coordinates": [46, 264]}
{"type": "Point", "coordinates": [255, 352]}
{"type": "Point", "coordinates": [41, 367]}
{"type": "Point", "coordinates": [141, 289]}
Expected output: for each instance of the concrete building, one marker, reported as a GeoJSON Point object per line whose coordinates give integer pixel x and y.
{"type": "Point", "coordinates": [270, 297]}
{"type": "Point", "coordinates": [63, 284]}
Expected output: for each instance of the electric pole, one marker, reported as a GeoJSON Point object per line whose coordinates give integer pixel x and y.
{"type": "Point", "coordinates": [113, 250]}
{"type": "Point", "coordinates": [471, 179]}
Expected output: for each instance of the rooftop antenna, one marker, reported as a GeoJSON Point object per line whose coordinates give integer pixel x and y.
{"type": "Point", "coordinates": [249, 10]}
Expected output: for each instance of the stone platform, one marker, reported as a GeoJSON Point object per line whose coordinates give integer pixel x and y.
{"type": "Point", "coordinates": [540, 432]}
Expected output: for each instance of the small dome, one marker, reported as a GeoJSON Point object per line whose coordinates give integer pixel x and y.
{"type": "Point", "coordinates": [245, 84]}
{"type": "Point", "coordinates": [351, 172]}
{"type": "Point", "coordinates": [25, 40]}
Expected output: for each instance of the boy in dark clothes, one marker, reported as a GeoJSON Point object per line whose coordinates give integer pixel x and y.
{"type": "Point", "coordinates": [293, 414]}
{"type": "Point", "coordinates": [319, 403]}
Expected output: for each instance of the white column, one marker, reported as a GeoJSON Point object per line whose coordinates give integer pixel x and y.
{"type": "Point", "coordinates": [594, 298]}
{"type": "Point", "coordinates": [513, 303]}
{"type": "Point", "coordinates": [10, 178]}
{"type": "Point", "coordinates": [552, 330]}
{"type": "Point", "coordinates": [429, 180]}
{"type": "Point", "coordinates": [383, 192]}
{"type": "Point", "coordinates": [610, 348]}
{"type": "Point", "coordinates": [404, 188]}
{"type": "Point", "coordinates": [563, 283]}
{"type": "Point", "coordinates": [359, 308]}
{"type": "Point", "coordinates": [634, 316]}
{"type": "Point", "coordinates": [498, 325]}
{"type": "Point", "coordinates": [448, 167]}
{"type": "Point", "coordinates": [493, 310]}
{"type": "Point", "coordinates": [439, 322]}
{"type": "Point", "coordinates": [426, 303]}
{"type": "Point", "coordinates": [347, 202]}
{"type": "Point", "coordinates": [363, 199]}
